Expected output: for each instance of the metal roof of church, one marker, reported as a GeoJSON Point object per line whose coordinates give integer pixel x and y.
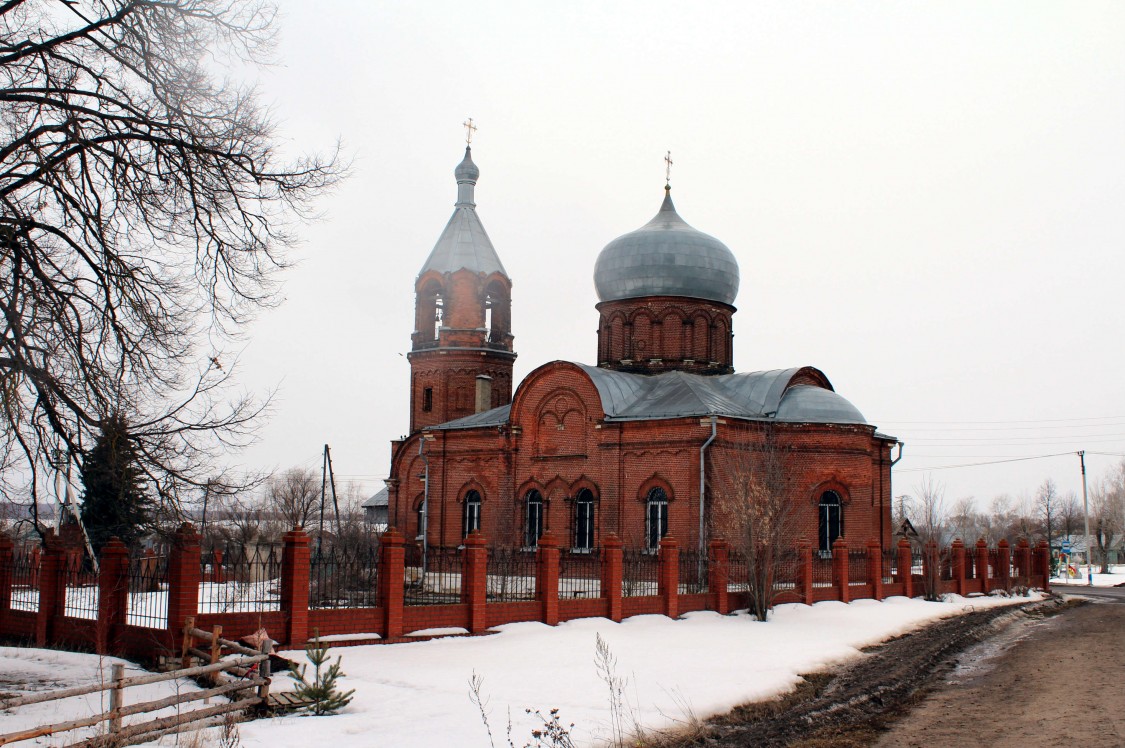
{"type": "Point", "coordinates": [752, 395]}
{"type": "Point", "coordinates": [464, 243]}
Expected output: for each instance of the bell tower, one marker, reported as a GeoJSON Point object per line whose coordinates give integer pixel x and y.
{"type": "Point", "coordinates": [461, 355]}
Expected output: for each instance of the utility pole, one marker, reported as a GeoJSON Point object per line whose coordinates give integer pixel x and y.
{"type": "Point", "coordinates": [1086, 519]}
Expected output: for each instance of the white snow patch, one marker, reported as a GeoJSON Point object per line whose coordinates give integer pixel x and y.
{"type": "Point", "coordinates": [447, 631]}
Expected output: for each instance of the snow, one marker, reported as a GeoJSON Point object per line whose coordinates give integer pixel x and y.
{"type": "Point", "coordinates": [349, 638]}
{"type": "Point", "coordinates": [1115, 577]}
{"type": "Point", "coordinates": [701, 664]}
{"type": "Point", "coordinates": [446, 631]}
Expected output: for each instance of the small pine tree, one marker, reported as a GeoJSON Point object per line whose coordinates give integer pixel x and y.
{"type": "Point", "coordinates": [114, 500]}
{"type": "Point", "coordinates": [321, 691]}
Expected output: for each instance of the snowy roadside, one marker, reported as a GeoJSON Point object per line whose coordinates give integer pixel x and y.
{"type": "Point", "coordinates": [418, 693]}
{"type": "Point", "coordinates": [1115, 577]}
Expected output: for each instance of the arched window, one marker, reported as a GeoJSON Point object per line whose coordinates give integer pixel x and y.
{"type": "Point", "coordinates": [656, 517]}
{"type": "Point", "coordinates": [420, 518]}
{"type": "Point", "coordinates": [533, 519]}
{"type": "Point", "coordinates": [584, 519]}
{"type": "Point", "coordinates": [439, 312]}
{"type": "Point", "coordinates": [470, 520]}
{"type": "Point", "coordinates": [831, 523]}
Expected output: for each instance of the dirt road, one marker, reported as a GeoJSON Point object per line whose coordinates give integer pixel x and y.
{"type": "Point", "coordinates": [1055, 682]}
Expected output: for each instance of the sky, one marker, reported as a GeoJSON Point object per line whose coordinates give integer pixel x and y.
{"type": "Point", "coordinates": [926, 200]}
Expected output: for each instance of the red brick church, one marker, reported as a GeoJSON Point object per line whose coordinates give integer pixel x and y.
{"type": "Point", "coordinates": [647, 442]}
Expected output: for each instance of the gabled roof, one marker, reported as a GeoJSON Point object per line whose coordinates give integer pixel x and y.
{"type": "Point", "coordinates": [381, 498]}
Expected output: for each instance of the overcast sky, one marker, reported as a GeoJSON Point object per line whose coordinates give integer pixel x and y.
{"type": "Point", "coordinates": [927, 202]}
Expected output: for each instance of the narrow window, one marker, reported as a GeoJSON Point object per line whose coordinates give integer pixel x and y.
{"type": "Point", "coordinates": [420, 513]}
{"type": "Point", "coordinates": [491, 334]}
{"type": "Point", "coordinates": [533, 521]}
{"type": "Point", "coordinates": [471, 519]}
{"type": "Point", "coordinates": [438, 312]}
{"type": "Point", "coordinates": [584, 520]}
{"type": "Point", "coordinates": [428, 399]}
{"type": "Point", "coordinates": [831, 524]}
{"type": "Point", "coordinates": [656, 517]}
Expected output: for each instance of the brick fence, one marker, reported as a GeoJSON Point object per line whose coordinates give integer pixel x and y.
{"type": "Point", "coordinates": [135, 606]}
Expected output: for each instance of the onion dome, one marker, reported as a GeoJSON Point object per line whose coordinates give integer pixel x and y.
{"type": "Point", "coordinates": [667, 257]}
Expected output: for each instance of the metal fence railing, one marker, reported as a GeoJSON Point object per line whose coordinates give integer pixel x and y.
{"type": "Point", "coordinates": [147, 604]}
{"type": "Point", "coordinates": [433, 577]}
{"type": "Point", "coordinates": [786, 570]}
{"type": "Point", "coordinates": [736, 571]}
{"type": "Point", "coordinates": [857, 566]}
{"type": "Point", "coordinates": [693, 572]}
{"type": "Point", "coordinates": [247, 579]}
{"type": "Point", "coordinates": [344, 577]}
{"type": "Point", "coordinates": [580, 574]}
{"type": "Point", "coordinates": [511, 575]}
{"type": "Point", "coordinates": [822, 570]}
{"type": "Point", "coordinates": [25, 578]}
{"type": "Point", "coordinates": [917, 564]}
{"type": "Point", "coordinates": [80, 583]}
{"type": "Point", "coordinates": [890, 565]}
{"type": "Point", "coordinates": [994, 563]}
{"type": "Point", "coordinates": [640, 573]}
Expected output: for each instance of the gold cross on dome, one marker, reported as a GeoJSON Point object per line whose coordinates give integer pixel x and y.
{"type": "Point", "coordinates": [668, 168]}
{"type": "Point", "coordinates": [470, 128]}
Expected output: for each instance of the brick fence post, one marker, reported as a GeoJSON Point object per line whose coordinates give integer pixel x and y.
{"type": "Point", "coordinates": [958, 549]}
{"type": "Point", "coordinates": [905, 567]}
{"type": "Point", "coordinates": [113, 595]}
{"type": "Point", "coordinates": [547, 578]}
{"type": "Point", "coordinates": [668, 559]}
{"type": "Point", "coordinates": [51, 599]}
{"type": "Point", "coordinates": [840, 568]}
{"type": "Point", "coordinates": [804, 573]}
{"type": "Point", "coordinates": [931, 569]}
{"type": "Point", "coordinates": [718, 576]}
{"type": "Point", "coordinates": [474, 580]}
{"type": "Point", "coordinates": [1004, 560]}
{"type": "Point", "coordinates": [875, 568]}
{"type": "Point", "coordinates": [184, 576]}
{"type": "Point", "coordinates": [612, 572]}
{"type": "Point", "coordinates": [982, 566]}
{"type": "Point", "coordinates": [1043, 554]}
{"type": "Point", "coordinates": [295, 572]}
{"type": "Point", "coordinates": [7, 567]}
{"type": "Point", "coordinates": [391, 576]}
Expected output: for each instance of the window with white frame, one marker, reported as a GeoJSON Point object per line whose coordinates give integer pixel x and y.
{"type": "Point", "coordinates": [533, 519]}
{"type": "Point", "coordinates": [471, 515]}
{"type": "Point", "coordinates": [656, 517]}
{"type": "Point", "coordinates": [584, 520]}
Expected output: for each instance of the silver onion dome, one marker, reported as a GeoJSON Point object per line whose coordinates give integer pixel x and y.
{"type": "Point", "coordinates": [666, 257]}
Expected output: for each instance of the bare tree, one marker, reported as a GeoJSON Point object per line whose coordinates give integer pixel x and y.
{"type": "Point", "coordinates": [755, 510]}
{"type": "Point", "coordinates": [293, 497]}
{"type": "Point", "coordinates": [144, 211]}
{"type": "Point", "coordinates": [1047, 505]}
{"type": "Point", "coordinates": [927, 513]}
{"type": "Point", "coordinates": [1070, 515]}
{"type": "Point", "coordinates": [1107, 504]}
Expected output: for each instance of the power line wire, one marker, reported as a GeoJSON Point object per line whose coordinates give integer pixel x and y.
{"type": "Point", "coordinates": [978, 464]}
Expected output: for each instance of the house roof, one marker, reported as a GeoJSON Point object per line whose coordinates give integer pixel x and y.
{"type": "Point", "coordinates": [381, 498]}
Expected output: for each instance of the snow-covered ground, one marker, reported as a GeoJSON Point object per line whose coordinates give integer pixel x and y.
{"type": "Point", "coordinates": [1115, 577]}
{"type": "Point", "coordinates": [702, 664]}
{"type": "Point", "coordinates": [24, 670]}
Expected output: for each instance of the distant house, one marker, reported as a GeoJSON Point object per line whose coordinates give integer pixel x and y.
{"type": "Point", "coordinates": [375, 508]}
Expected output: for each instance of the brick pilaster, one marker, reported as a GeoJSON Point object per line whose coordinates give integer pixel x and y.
{"type": "Point", "coordinates": [612, 572]}
{"type": "Point", "coordinates": [718, 576]}
{"type": "Point", "coordinates": [474, 580]}
{"type": "Point", "coordinates": [958, 551]}
{"type": "Point", "coordinates": [113, 595]}
{"type": "Point", "coordinates": [905, 567]}
{"type": "Point", "coordinates": [1043, 553]}
{"type": "Point", "coordinates": [875, 568]}
{"type": "Point", "coordinates": [51, 593]}
{"type": "Point", "coordinates": [547, 581]}
{"type": "Point", "coordinates": [295, 572]}
{"type": "Point", "coordinates": [669, 561]}
{"type": "Point", "coordinates": [7, 563]}
{"type": "Point", "coordinates": [981, 552]}
{"type": "Point", "coordinates": [392, 575]}
{"type": "Point", "coordinates": [840, 568]}
{"type": "Point", "coordinates": [1004, 560]}
{"type": "Point", "coordinates": [805, 573]}
{"type": "Point", "coordinates": [184, 576]}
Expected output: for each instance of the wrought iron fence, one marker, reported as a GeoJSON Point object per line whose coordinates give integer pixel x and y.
{"type": "Point", "coordinates": [640, 573]}
{"type": "Point", "coordinates": [344, 577]}
{"type": "Point", "coordinates": [80, 584]}
{"type": "Point", "coordinates": [25, 578]}
{"type": "Point", "coordinates": [857, 566]}
{"type": "Point", "coordinates": [693, 572]}
{"type": "Point", "coordinates": [580, 574]}
{"type": "Point", "coordinates": [148, 589]}
{"type": "Point", "coordinates": [822, 569]}
{"type": "Point", "coordinates": [432, 578]}
{"type": "Point", "coordinates": [917, 562]}
{"type": "Point", "coordinates": [737, 571]}
{"type": "Point", "coordinates": [994, 563]}
{"type": "Point", "coordinates": [511, 575]}
{"type": "Point", "coordinates": [890, 565]}
{"type": "Point", "coordinates": [246, 579]}
{"type": "Point", "coordinates": [786, 570]}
